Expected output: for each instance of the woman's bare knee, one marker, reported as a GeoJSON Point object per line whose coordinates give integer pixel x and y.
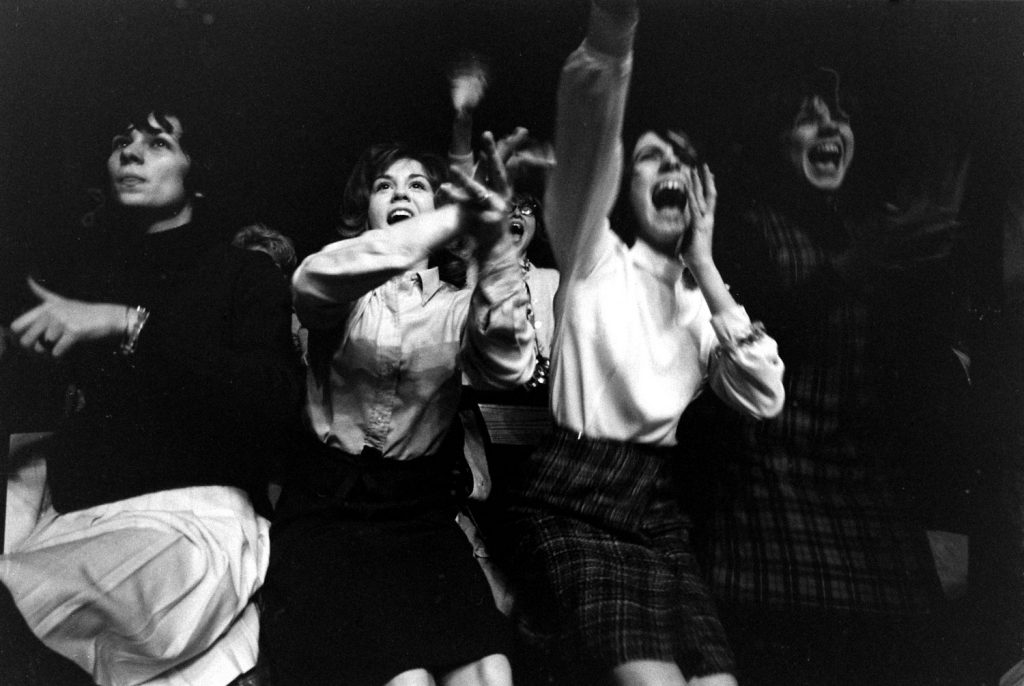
{"type": "Point", "coordinates": [648, 673]}
{"type": "Point", "coordinates": [493, 670]}
{"type": "Point", "coordinates": [722, 679]}
{"type": "Point", "coordinates": [413, 677]}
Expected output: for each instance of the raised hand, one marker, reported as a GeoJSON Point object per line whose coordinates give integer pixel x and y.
{"type": "Point", "coordinates": [484, 199]}
{"type": "Point", "coordinates": [918, 228]}
{"type": "Point", "coordinates": [617, 7]}
{"type": "Point", "coordinates": [57, 324]}
{"type": "Point", "coordinates": [521, 153]}
{"type": "Point", "coordinates": [694, 244]}
{"type": "Point", "coordinates": [467, 80]}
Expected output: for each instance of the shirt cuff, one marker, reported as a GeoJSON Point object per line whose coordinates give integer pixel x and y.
{"type": "Point", "coordinates": [499, 279]}
{"type": "Point", "coordinates": [734, 328]}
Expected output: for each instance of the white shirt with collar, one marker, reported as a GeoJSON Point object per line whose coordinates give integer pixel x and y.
{"type": "Point", "coordinates": [395, 378]}
{"type": "Point", "coordinates": [633, 344]}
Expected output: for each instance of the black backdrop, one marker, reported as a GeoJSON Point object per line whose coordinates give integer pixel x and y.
{"type": "Point", "coordinates": [296, 89]}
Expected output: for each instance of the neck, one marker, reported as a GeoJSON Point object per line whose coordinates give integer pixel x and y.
{"type": "Point", "coordinates": [666, 248]}
{"type": "Point", "coordinates": [166, 222]}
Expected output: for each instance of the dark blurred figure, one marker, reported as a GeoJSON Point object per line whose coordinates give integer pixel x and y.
{"type": "Point", "coordinates": [818, 548]}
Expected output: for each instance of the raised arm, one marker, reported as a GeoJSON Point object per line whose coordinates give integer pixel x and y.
{"type": "Point", "coordinates": [588, 147]}
{"type": "Point", "coordinates": [498, 347]}
{"type": "Point", "coordinates": [468, 82]}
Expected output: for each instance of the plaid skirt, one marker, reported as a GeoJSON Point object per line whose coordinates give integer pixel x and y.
{"type": "Point", "coordinates": [602, 562]}
{"type": "Point", "coordinates": [807, 531]}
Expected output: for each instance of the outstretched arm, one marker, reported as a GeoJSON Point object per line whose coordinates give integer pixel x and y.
{"type": "Point", "coordinates": [327, 283]}
{"type": "Point", "coordinates": [588, 148]}
{"type": "Point", "coordinates": [58, 325]}
{"type": "Point", "coordinates": [498, 348]}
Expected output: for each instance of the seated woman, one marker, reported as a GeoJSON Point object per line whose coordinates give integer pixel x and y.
{"type": "Point", "coordinates": [602, 561]}
{"type": "Point", "coordinates": [372, 581]}
{"type": "Point", "coordinates": [145, 567]}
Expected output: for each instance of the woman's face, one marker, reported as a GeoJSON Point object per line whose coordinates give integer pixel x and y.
{"type": "Point", "coordinates": [403, 191]}
{"type": "Point", "coordinates": [820, 144]}
{"type": "Point", "coordinates": [148, 167]}
{"type": "Point", "coordinates": [658, 188]}
{"type": "Point", "coordinates": [522, 222]}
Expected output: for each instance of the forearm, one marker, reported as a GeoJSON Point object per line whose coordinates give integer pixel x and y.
{"type": "Point", "coordinates": [498, 351]}
{"type": "Point", "coordinates": [715, 292]}
{"type": "Point", "coordinates": [460, 154]}
{"type": "Point", "coordinates": [326, 283]}
{"type": "Point", "coordinates": [588, 148]}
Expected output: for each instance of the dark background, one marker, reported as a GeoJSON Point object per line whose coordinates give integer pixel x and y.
{"type": "Point", "coordinates": [296, 89]}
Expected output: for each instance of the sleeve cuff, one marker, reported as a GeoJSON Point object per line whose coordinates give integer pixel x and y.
{"type": "Point", "coordinates": [734, 328]}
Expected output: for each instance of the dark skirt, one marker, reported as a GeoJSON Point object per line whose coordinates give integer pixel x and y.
{"type": "Point", "coordinates": [370, 576]}
{"type": "Point", "coordinates": [602, 562]}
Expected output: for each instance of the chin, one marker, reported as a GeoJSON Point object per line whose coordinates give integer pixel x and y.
{"type": "Point", "coordinates": [824, 181]}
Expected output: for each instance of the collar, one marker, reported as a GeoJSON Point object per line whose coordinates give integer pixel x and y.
{"type": "Point", "coordinates": [665, 268]}
{"type": "Point", "coordinates": [429, 281]}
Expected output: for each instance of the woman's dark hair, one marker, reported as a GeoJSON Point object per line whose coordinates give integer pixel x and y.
{"type": "Point", "coordinates": [758, 164]}
{"type": "Point", "coordinates": [355, 200]}
{"type": "Point", "coordinates": [375, 161]}
{"type": "Point", "coordinates": [193, 139]}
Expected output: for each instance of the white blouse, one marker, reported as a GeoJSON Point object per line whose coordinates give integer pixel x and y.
{"type": "Point", "coordinates": [633, 344]}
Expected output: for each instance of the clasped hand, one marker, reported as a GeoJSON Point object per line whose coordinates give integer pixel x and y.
{"type": "Point", "coordinates": [57, 324]}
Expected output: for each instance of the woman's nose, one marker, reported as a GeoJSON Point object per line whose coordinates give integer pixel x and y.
{"type": "Point", "coordinates": [670, 162]}
{"type": "Point", "coordinates": [131, 153]}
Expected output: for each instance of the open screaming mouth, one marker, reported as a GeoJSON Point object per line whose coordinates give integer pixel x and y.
{"type": "Point", "coordinates": [826, 153]}
{"type": "Point", "coordinates": [395, 216]}
{"type": "Point", "coordinates": [668, 193]}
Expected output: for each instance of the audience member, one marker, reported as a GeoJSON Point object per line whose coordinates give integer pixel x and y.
{"type": "Point", "coordinates": [145, 566]}
{"type": "Point", "coordinates": [601, 558]}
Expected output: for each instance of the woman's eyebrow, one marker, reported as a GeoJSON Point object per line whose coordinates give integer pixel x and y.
{"type": "Point", "coordinates": [646, 149]}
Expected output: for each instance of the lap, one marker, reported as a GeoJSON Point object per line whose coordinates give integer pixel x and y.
{"type": "Point", "coordinates": [134, 588]}
{"type": "Point", "coordinates": [396, 595]}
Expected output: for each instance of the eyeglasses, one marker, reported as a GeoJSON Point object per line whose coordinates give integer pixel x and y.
{"type": "Point", "coordinates": [526, 208]}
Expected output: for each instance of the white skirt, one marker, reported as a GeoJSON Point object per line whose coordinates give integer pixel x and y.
{"type": "Point", "coordinates": [151, 590]}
